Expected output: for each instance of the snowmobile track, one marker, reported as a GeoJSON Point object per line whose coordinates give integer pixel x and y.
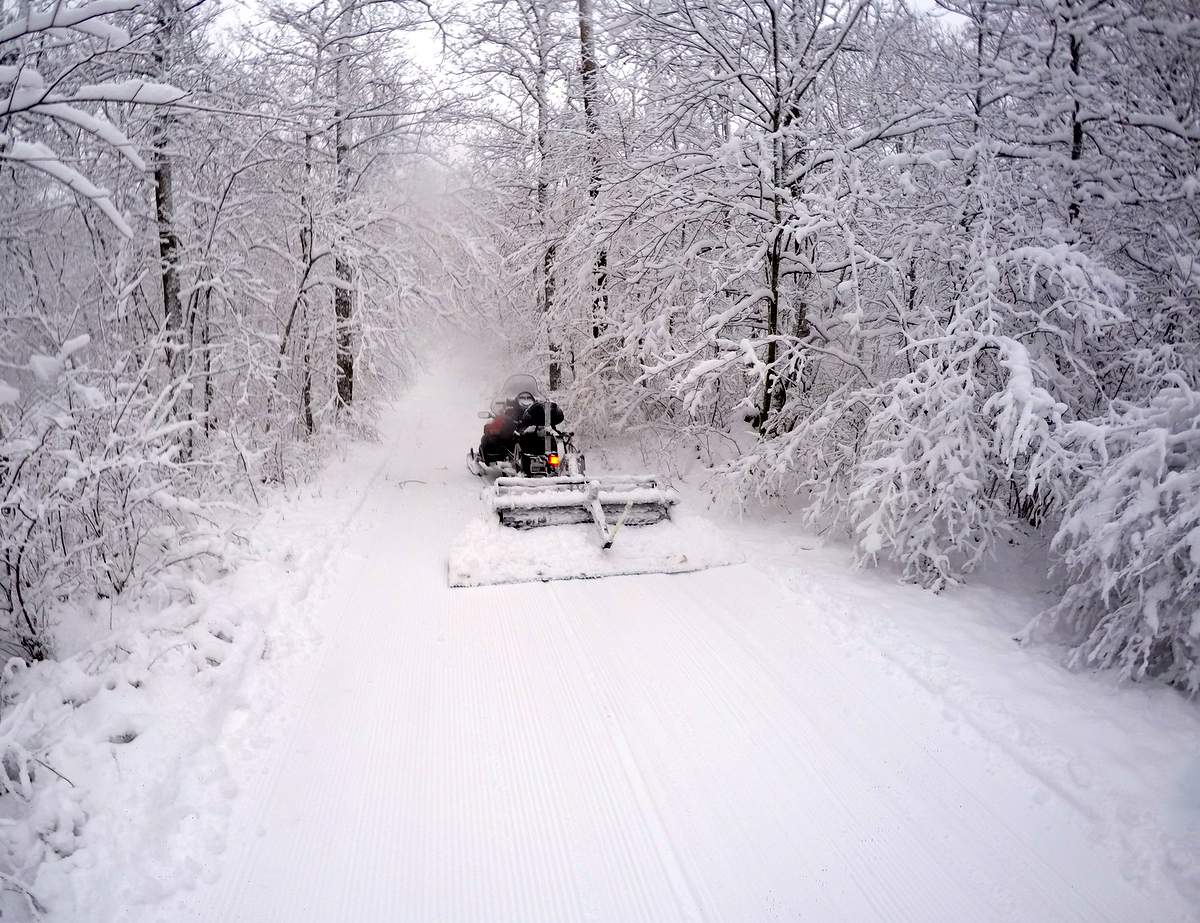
{"type": "Point", "coordinates": [683, 888]}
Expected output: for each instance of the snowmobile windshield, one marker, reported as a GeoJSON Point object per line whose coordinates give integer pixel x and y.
{"type": "Point", "coordinates": [516, 384]}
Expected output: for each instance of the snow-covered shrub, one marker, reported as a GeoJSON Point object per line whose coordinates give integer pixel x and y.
{"type": "Point", "coordinates": [933, 467]}
{"type": "Point", "coordinates": [1130, 542]}
{"type": "Point", "coordinates": [940, 450]}
{"type": "Point", "coordinates": [91, 487]}
{"type": "Point", "coordinates": [924, 488]}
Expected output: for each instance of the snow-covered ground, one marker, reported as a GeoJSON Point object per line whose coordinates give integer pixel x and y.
{"type": "Point", "coordinates": [781, 739]}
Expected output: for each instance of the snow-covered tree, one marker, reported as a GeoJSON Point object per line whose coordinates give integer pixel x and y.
{"type": "Point", "coordinates": [1129, 540]}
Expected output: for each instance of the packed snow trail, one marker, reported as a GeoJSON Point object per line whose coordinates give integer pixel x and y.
{"type": "Point", "coordinates": [633, 749]}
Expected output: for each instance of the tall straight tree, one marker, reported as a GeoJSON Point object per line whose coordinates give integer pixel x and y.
{"type": "Point", "coordinates": [518, 54]}
{"type": "Point", "coordinates": [589, 78]}
{"type": "Point", "coordinates": [358, 112]}
{"type": "Point", "coordinates": [168, 25]}
{"type": "Point", "coordinates": [343, 293]}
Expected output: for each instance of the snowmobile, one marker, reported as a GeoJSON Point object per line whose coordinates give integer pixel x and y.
{"type": "Point", "coordinates": [524, 436]}
{"type": "Point", "coordinates": [541, 477]}
{"type": "Point", "coordinates": [538, 479]}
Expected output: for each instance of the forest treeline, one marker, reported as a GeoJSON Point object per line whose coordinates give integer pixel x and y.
{"type": "Point", "coordinates": [938, 275]}
{"type": "Point", "coordinates": [207, 261]}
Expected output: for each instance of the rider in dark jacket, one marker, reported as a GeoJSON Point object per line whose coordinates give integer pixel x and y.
{"type": "Point", "coordinates": [500, 432]}
{"type": "Point", "coordinates": [536, 415]}
{"type": "Point", "coordinates": [533, 442]}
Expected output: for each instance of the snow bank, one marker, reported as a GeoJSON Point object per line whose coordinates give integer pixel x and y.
{"type": "Point", "coordinates": [488, 553]}
{"type": "Point", "coordinates": [125, 760]}
{"type": "Point", "coordinates": [119, 774]}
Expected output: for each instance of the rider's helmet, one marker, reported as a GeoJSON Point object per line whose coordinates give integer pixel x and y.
{"type": "Point", "coordinates": [525, 400]}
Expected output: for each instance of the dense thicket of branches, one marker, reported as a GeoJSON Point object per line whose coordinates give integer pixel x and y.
{"type": "Point", "coordinates": [206, 257]}
{"type": "Point", "coordinates": [942, 278]}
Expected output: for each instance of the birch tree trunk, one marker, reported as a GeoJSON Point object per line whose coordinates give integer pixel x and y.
{"type": "Point", "coordinates": [343, 293]}
{"type": "Point", "coordinates": [543, 200]}
{"type": "Point", "coordinates": [167, 13]}
{"type": "Point", "coordinates": [589, 76]}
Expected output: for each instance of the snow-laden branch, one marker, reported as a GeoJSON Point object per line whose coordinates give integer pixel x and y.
{"type": "Point", "coordinates": [40, 157]}
{"type": "Point", "coordinates": [83, 19]}
{"type": "Point", "coordinates": [30, 99]}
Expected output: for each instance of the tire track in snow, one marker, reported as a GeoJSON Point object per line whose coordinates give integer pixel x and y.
{"type": "Point", "coordinates": [528, 759]}
{"type": "Point", "coordinates": [1029, 766]}
{"type": "Point", "coordinates": [987, 877]}
{"type": "Point", "coordinates": [366, 794]}
{"type": "Point", "coordinates": [415, 723]}
{"type": "Point", "coordinates": [863, 809]}
{"type": "Point", "coordinates": [968, 826]}
{"type": "Point", "coordinates": [349, 809]}
{"type": "Point", "coordinates": [508, 792]}
{"type": "Point", "coordinates": [683, 888]}
{"type": "Point", "coordinates": [756, 700]}
{"type": "Point", "coordinates": [606, 794]}
{"type": "Point", "coordinates": [578, 857]}
{"type": "Point", "coordinates": [733, 720]}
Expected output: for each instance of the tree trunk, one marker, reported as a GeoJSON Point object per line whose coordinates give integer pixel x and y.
{"type": "Point", "coordinates": [299, 307]}
{"type": "Point", "coordinates": [1076, 130]}
{"type": "Point", "coordinates": [206, 340]}
{"type": "Point", "coordinates": [543, 201]}
{"type": "Point", "coordinates": [164, 192]}
{"type": "Point", "coordinates": [306, 380]}
{"type": "Point", "coordinates": [555, 367]}
{"type": "Point", "coordinates": [588, 73]}
{"type": "Point", "coordinates": [168, 255]}
{"type": "Point", "coordinates": [774, 251]}
{"type": "Point", "coordinates": [980, 21]}
{"type": "Point", "coordinates": [343, 293]}
{"type": "Point", "coordinates": [773, 261]}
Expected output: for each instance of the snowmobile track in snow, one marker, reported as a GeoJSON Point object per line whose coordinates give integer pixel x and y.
{"type": "Point", "coordinates": [651, 816]}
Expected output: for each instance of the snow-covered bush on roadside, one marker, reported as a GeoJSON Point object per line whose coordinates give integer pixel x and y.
{"type": "Point", "coordinates": [948, 445]}
{"type": "Point", "coordinates": [1130, 542]}
{"type": "Point", "coordinates": [93, 488]}
{"type": "Point", "coordinates": [932, 468]}
{"type": "Point", "coordinates": [923, 489]}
